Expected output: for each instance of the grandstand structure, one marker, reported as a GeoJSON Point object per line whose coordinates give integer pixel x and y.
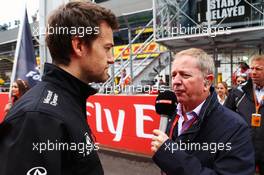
{"type": "Point", "coordinates": [150, 31]}
{"type": "Point", "coordinates": [230, 30]}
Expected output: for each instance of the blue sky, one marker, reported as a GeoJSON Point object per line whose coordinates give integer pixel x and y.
{"type": "Point", "coordinates": [11, 10]}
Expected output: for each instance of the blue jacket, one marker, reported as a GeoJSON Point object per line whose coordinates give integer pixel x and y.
{"type": "Point", "coordinates": [217, 143]}
{"type": "Point", "coordinates": [241, 100]}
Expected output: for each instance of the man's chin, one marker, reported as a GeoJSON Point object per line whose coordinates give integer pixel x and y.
{"type": "Point", "coordinates": [180, 100]}
{"type": "Point", "coordinates": [103, 79]}
{"type": "Point", "coordinates": [255, 81]}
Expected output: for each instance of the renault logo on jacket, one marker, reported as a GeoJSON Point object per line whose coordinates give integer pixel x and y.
{"type": "Point", "coordinates": [37, 171]}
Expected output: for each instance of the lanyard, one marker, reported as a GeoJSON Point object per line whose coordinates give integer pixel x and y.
{"type": "Point", "coordinates": [183, 128]}
{"type": "Point", "coordinates": [176, 121]}
{"type": "Point", "coordinates": [257, 104]}
{"type": "Point", "coordinates": [173, 125]}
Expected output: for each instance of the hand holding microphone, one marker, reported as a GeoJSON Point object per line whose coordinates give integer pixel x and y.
{"type": "Point", "coordinates": [165, 106]}
{"type": "Point", "coordinates": [158, 139]}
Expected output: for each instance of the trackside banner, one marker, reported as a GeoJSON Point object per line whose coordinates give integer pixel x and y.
{"type": "Point", "coordinates": [118, 122]}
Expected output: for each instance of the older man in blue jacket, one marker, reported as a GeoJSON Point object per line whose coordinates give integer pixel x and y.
{"type": "Point", "coordinates": [248, 101]}
{"type": "Point", "coordinates": [204, 137]}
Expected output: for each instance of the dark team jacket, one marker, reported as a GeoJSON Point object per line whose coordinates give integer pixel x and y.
{"type": "Point", "coordinates": [46, 131]}
{"type": "Point", "coordinates": [217, 126]}
{"type": "Point", "coordinates": [241, 100]}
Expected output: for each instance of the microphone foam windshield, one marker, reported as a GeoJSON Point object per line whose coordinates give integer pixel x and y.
{"type": "Point", "coordinates": [166, 103]}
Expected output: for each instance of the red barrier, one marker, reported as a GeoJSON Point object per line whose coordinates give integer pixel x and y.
{"type": "Point", "coordinates": [119, 122]}
{"type": "Point", "coordinates": [123, 122]}
{"type": "Point", "coordinates": [3, 102]}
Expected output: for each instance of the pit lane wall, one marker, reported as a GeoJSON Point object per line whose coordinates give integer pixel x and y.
{"type": "Point", "coordinates": [119, 122]}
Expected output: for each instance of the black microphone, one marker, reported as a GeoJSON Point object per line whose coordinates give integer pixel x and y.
{"type": "Point", "coordinates": [165, 106]}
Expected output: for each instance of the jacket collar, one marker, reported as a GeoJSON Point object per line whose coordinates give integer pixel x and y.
{"type": "Point", "coordinates": [209, 105]}
{"type": "Point", "coordinates": [248, 89]}
{"type": "Point", "coordinates": [65, 80]}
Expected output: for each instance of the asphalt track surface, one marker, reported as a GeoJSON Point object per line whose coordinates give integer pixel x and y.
{"type": "Point", "coordinates": [122, 164]}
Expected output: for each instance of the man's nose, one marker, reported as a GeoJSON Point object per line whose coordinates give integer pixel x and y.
{"type": "Point", "coordinates": [253, 71]}
{"type": "Point", "coordinates": [110, 59]}
{"type": "Point", "coordinates": [176, 80]}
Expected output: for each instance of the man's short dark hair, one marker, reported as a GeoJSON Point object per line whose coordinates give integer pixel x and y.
{"type": "Point", "coordinates": [66, 22]}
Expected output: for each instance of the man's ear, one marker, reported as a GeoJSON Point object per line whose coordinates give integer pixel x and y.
{"type": "Point", "coordinates": [77, 46]}
{"type": "Point", "coordinates": [209, 79]}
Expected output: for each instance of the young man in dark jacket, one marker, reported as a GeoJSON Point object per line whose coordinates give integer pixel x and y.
{"type": "Point", "coordinates": [248, 101]}
{"type": "Point", "coordinates": [204, 138]}
{"type": "Point", "coordinates": [46, 132]}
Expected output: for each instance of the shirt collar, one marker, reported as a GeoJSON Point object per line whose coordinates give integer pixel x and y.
{"type": "Point", "coordinates": [220, 100]}
{"type": "Point", "coordinates": [196, 110]}
{"type": "Point", "coordinates": [258, 88]}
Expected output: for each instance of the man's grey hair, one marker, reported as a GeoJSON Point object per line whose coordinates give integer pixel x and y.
{"type": "Point", "coordinates": [256, 58]}
{"type": "Point", "coordinates": [205, 62]}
